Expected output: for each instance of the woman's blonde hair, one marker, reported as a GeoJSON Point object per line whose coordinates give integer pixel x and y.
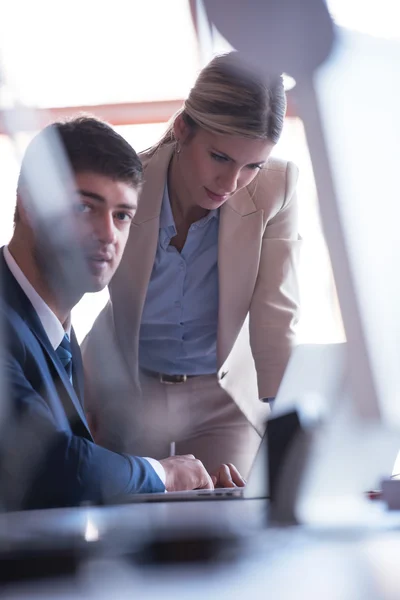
{"type": "Point", "coordinates": [227, 98]}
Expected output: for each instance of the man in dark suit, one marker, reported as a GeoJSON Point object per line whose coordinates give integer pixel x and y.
{"type": "Point", "coordinates": [68, 240]}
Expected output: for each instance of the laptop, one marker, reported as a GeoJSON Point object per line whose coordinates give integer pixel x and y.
{"type": "Point", "coordinates": [313, 378]}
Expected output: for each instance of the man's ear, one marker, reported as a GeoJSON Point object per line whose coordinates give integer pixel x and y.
{"type": "Point", "coordinates": [24, 211]}
{"type": "Point", "coordinates": [181, 129]}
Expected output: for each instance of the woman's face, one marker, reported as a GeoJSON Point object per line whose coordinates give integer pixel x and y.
{"type": "Point", "coordinates": [213, 167]}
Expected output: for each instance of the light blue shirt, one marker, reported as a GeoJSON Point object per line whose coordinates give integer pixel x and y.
{"type": "Point", "coordinates": [178, 333]}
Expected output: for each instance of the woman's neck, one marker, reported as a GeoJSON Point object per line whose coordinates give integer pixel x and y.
{"type": "Point", "coordinates": [184, 211]}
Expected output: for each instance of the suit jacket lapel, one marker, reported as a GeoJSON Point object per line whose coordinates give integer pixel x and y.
{"type": "Point", "coordinates": [77, 368]}
{"type": "Point", "coordinates": [129, 285]}
{"type": "Point", "coordinates": [76, 409]}
{"type": "Point", "coordinates": [239, 247]}
{"type": "Point", "coordinates": [19, 301]}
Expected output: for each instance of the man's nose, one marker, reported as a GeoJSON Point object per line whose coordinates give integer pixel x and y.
{"type": "Point", "coordinates": [105, 229]}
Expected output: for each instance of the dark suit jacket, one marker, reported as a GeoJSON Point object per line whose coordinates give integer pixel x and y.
{"type": "Point", "coordinates": [47, 454]}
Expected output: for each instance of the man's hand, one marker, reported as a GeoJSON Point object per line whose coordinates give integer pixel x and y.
{"type": "Point", "coordinates": [185, 473]}
{"type": "Point", "coordinates": [228, 476]}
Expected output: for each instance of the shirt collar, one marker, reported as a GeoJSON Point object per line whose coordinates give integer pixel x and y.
{"type": "Point", "coordinates": [51, 325]}
{"type": "Point", "coordinates": [166, 216]}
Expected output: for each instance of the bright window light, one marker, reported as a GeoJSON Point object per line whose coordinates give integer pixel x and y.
{"type": "Point", "coordinates": [378, 18]}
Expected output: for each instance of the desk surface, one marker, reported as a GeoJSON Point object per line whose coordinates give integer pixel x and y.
{"type": "Point", "coordinates": [344, 563]}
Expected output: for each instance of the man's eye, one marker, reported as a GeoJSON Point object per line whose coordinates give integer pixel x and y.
{"type": "Point", "coordinates": [218, 157]}
{"type": "Point", "coordinates": [82, 208]}
{"type": "Point", "coordinates": [124, 217]}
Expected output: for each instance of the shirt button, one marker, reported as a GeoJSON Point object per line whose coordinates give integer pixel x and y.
{"type": "Point", "coordinates": [181, 265]}
{"type": "Point", "coordinates": [178, 304]}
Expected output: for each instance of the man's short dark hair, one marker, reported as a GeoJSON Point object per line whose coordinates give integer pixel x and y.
{"type": "Point", "coordinates": [91, 146]}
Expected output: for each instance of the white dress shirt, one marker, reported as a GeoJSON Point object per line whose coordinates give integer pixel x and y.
{"type": "Point", "coordinates": [53, 327]}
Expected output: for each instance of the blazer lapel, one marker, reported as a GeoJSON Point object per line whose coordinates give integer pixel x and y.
{"type": "Point", "coordinates": [77, 368]}
{"type": "Point", "coordinates": [19, 301]}
{"type": "Point", "coordinates": [129, 285]}
{"type": "Point", "coordinates": [76, 407]}
{"type": "Point", "coordinates": [239, 247]}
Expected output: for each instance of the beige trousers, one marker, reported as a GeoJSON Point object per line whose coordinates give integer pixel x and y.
{"type": "Point", "coordinates": [198, 416]}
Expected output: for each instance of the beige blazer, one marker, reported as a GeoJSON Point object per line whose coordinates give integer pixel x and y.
{"type": "Point", "coordinates": [258, 290]}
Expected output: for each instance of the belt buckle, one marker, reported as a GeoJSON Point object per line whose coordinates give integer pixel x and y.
{"type": "Point", "coordinates": [172, 379]}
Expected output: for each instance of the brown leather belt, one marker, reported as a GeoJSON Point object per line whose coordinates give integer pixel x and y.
{"type": "Point", "coordinates": [167, 379]}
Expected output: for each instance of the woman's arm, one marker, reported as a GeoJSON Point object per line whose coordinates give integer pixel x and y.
{"type": "Point", "coordinates": [274, 307]}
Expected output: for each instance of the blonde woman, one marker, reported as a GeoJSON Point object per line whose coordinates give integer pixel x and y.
{"type": "Point", "coordinates": [201, 320]}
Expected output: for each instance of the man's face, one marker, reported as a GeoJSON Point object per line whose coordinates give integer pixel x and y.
{"type": "Point", "coordinates": [103, 211]}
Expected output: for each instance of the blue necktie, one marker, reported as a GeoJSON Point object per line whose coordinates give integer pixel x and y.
{"type": "Point", "coordinates": [64, 353]}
